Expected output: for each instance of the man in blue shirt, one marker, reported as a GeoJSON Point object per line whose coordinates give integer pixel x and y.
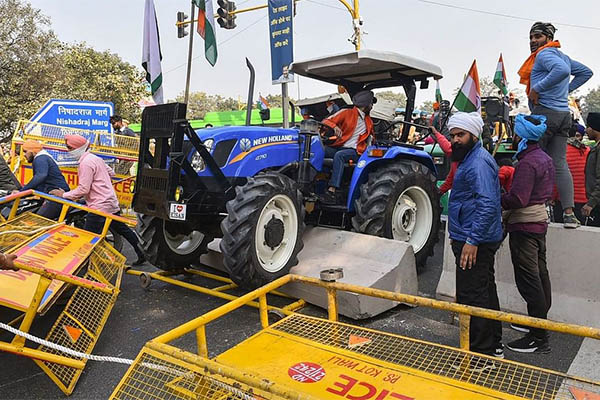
{"type": "Point", "coordinates": [549, 84]}
{"type": "Point", "coordinates": [475, 228]}
{"type": "Point", "coordinates": [46, 176]}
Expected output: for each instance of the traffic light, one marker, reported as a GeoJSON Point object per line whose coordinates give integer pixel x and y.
{"type": "Point", "coordinates": [181, 29]}
{"type": "Point", "coordinates": [226, 19]}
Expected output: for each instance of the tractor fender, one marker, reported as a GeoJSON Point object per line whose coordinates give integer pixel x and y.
{"type": "Point", "coordinates": [366, 163]}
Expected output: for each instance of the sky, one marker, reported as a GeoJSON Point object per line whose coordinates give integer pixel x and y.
{"type": "Point", "coordinates": [442, 32]}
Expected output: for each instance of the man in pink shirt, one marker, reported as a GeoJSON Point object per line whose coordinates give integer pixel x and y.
{"type": "Point", "coordinates": [95, 186]}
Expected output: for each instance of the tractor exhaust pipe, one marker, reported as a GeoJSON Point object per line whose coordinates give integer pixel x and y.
{"type": "Point", "coordinates": [250, 92]}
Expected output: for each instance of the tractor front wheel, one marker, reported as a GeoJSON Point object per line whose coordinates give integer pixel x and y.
{"type": "Point", "coordinates": [262, 233]}
{"type": "Point", "coordinates": [400, 201]}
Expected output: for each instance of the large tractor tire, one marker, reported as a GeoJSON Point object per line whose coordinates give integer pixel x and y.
{"type": "Point", "coordinates": [400, 201]}
{"type": "Point", "coordinates": [166, 249]}
{"type": "Point", "coordinates": [262, 234]}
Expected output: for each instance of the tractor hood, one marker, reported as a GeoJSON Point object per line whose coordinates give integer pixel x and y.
{"type": "Point", "coordinates": [368, 69]}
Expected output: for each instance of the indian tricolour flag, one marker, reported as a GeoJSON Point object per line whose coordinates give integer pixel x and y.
{"type": "Point", "coordinates": [469, 95]}
{"type": "Point", "coordinates": [438, 92]}
{"type": "Point", "coordinates": [500, 76]}
{"type": "Point", "coordinates": [151, 55]}
{"type": "Point", "coordinates": [206, 29]}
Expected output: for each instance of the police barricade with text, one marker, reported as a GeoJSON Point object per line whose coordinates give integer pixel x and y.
{"type": "Point", "coordinates": [51, 258]}
{"type": "Point", "coordinates": [304, 357]}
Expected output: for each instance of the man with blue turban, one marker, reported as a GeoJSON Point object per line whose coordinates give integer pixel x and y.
{"type": "Point", "coordinates": [527, 222]}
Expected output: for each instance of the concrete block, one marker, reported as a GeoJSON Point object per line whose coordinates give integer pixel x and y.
{"type": "Point", "coordinates": [367, 261]}
{"type": "Point", "coordinates": [573, 261]}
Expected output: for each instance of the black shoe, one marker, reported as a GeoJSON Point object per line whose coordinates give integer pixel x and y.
{"type": "Point", "coordinates": [529, 344]}
{"type": "Point", "coordinates": [328, 197]}
{"type": "Point", "coordinates": [520, 328]}
{"type": "Point", "coordinates": [499, 352]}
{"type": "Point", "coordinates": [140, 260]}
{"type": "Point", "coordinates": [475, 365]}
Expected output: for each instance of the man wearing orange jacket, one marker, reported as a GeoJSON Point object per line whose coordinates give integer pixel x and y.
{"type": "Point", "coordinates": [352, 128]}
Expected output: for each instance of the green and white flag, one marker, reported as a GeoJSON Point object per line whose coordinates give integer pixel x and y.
{"type": "Point", "coordinates": [438, 92]}
{"type": "Point", "coordinates": [500, 76]}
{"type": "Point", "coordinates": [151, 55]}
{"type": "Point", "coordinates": [206, 29]}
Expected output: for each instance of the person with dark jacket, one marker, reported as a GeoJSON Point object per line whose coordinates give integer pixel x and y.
{"type": "Point", "coordinates": [8, 182]}
{"type": "Point", "coordinates": [475, 228]}
{"type": "Point", "coordinates": [46, 177]}
{"type": "Point", "coordinates": [120, 127]}
{"type": "Point", "coordinates": [547, 72]}
{"type": "Point", "coordinates": [592, 172]}
{"type": "Point", "coordinates": [526, 221]}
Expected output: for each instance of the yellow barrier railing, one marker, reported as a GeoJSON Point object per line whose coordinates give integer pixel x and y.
{"type": "Point", "coordinates": [465, 312]}
{"type": "Point", "coordinates": [52, 137]}
{"type": "Point", "coordinates": [65, 208]}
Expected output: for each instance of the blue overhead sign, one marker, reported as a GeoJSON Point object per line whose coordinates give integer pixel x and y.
{"type": "Point", "coordinates": [281, 38]}
{"type": "Point", "coordinates": [80, 114]}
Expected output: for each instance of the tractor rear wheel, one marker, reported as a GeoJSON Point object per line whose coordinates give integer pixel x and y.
{"type": "Point", "coordinates": [262, 234]}
{"type": "Point", "coordinates": [400, 201]}
{"type": "Point", "coordinates": [169, 245]}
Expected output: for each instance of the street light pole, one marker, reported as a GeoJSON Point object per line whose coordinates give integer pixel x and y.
{"type": "Point", "coordinates": [189, 61]}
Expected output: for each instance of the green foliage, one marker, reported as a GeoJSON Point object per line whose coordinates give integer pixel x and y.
{"type": "Point", "coordinates": [398, 99]}
{"type": "Point", "coordinates": [591, 101]}
{"type": "Point", "coordinates": [28, 61]}
{"type": "Point", "coordinates": [426, 106]}
{"type": "Point", "coordinates": [35, 66]}
{"type": "Point", "coordinates": [200, 103]}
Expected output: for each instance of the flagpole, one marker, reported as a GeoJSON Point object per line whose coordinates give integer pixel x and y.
{"type": "Point", "coordinates": [189, 61]}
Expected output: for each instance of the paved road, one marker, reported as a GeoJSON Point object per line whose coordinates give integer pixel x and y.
{"type": "Point", "coordinates": [141, 314]}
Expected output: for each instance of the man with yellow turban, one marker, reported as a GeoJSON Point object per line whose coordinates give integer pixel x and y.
{"type": "Point", "coordinates": [46, 176]}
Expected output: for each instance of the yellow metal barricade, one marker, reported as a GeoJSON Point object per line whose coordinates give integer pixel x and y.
{"type": "Point", "coordinates": [49, 257]}
{"type": "Point", "coordinates": [304, 357]}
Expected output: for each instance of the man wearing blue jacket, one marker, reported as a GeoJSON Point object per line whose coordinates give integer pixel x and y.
{"type": "Point", "coordinates": [547, 74]}
{"type": "Point", "coordinates": [475, 228]}
{"type": "Point", "coordinates": [46, 177]}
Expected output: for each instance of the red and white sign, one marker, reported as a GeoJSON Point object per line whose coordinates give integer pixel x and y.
{"type": "Point", "coordinates": [306, 372]}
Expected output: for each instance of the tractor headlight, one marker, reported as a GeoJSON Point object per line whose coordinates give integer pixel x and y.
{"type": "Point", "coordinates": [438, 160]}
{"type": "Point", "coordinates": [197, 160]}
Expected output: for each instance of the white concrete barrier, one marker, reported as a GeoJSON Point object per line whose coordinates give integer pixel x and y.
{"type": "Point", "coordinates": [573, 258]}
{"type": "Point", "coordinates": [367, 261]}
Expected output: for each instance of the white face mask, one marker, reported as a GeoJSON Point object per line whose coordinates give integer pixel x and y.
{"type": "Point", "coordinates": [330, 109]}
{"type": "Point", "coordinates": [77, 153]}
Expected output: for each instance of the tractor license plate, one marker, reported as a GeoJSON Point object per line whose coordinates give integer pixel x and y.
{"type": "Point", "coordinates": [177, 211]}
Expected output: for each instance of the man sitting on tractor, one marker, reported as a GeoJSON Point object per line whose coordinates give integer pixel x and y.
{"type": "Point", "coordinates": [352, 128]}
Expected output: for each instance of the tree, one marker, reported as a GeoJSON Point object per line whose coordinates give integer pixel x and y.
{"type": "Point", "coordinates": [274, 100]}
{"type": "Point", "coordinates": [35, 66]}
{"type": "Point", "coordinates": [88, 74]}
{"type": "Point", "coordinates": [199, 103]}
{"type": "Point", "coordinates": [28, 62]}
{"type": "Point", "coordinates": [398, 99]}
{"type": "Point", "coordinates": [591, 102]}
{"type": "Point", "coordinates": [427, 106]}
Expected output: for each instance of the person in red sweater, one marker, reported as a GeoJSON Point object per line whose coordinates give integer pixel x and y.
{"type": "Point", "coordinates": [505, 173]}
{"type": "Point", "coordinates": [353, 129]}
{"type": "Point", "coordinates": [446, 147]}
{"type": "Point", "coordinates": [577, 153]}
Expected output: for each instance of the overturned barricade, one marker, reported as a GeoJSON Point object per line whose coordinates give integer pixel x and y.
{"type": "Point", "coordinates": [304, 357]}
{"type": "Point", "coordinates": [51, 258]}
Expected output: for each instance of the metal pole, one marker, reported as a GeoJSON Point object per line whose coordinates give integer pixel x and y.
{"type": "Point", "coordinates": [189, 61]}
{"type": "Point", "coordinates": [285, 105]}
{"type": "Point", "coordinates": [356, 25]}
{"type": "Point", "coordinates": [250, 92]}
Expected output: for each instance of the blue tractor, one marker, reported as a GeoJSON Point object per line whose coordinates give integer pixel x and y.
{"type": "Point", "coordinates": [257, 188]}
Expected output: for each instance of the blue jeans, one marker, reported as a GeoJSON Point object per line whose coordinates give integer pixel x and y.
{"type": "Point", "coordinates": [94, 223]}
{"type": "Point", "coordinates": [340, 155]}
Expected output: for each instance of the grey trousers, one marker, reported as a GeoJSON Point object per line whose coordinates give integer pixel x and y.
{"type": "Point", "coordinates": [554, 143]}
